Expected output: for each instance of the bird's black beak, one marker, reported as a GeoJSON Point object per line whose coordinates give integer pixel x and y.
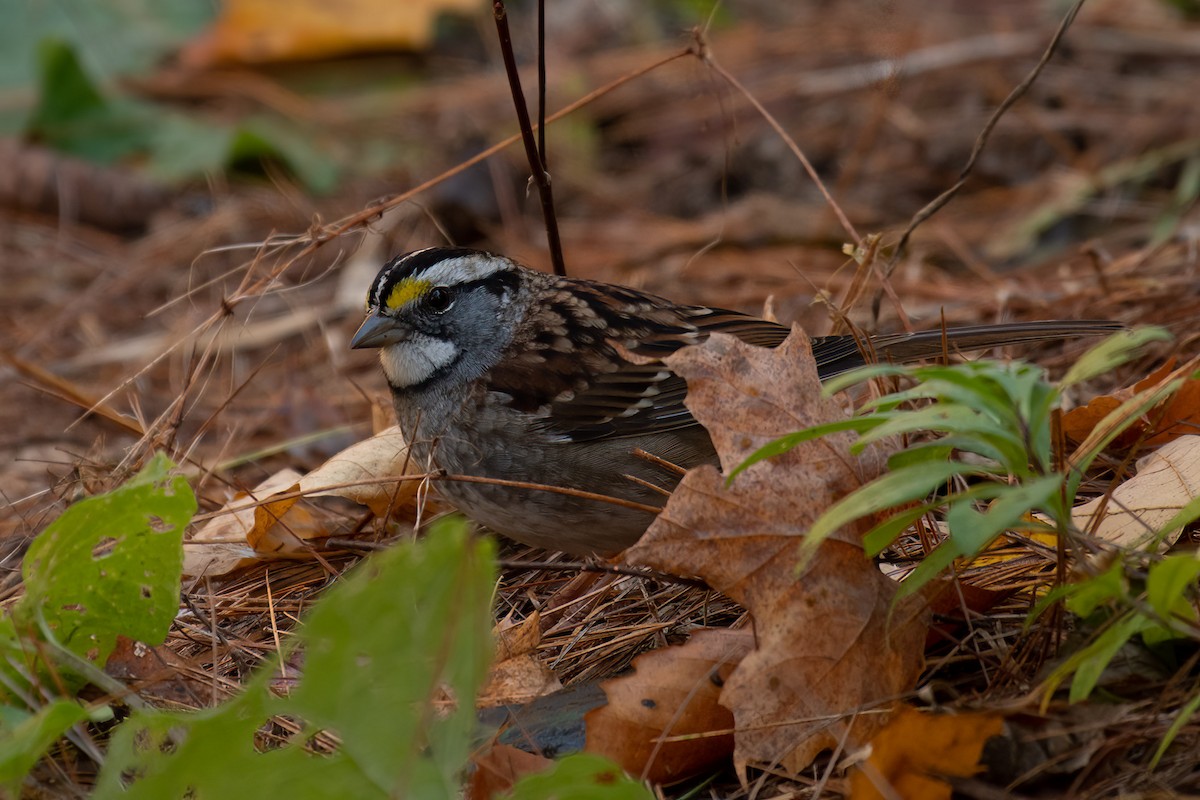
{"type": "Point", "coordinates": [377, 331]}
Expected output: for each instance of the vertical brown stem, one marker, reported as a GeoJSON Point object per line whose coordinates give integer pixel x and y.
{"type": "Point", "coordinates": [541, 178]}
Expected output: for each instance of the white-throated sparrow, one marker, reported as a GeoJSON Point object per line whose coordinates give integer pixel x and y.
{"type": "Point", "coordinates": [500, 371]}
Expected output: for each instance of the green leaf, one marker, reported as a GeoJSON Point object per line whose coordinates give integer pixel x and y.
{"type": "Point", "coordinates": [1105, 431]}
{"type": "Point", "coordinates": [1187, 190]}
{"type": "Point", "coordinates": [434, 617]}
{"type": "Point", "coordinates": [938, 451]}
{"type": "Point", "coordinates": [1084, 597]}
{"type": "Point", "coordinates": [1089, 663]}
{"type": "Point", "coordinates": [265, 137]}
{"type": "Point", "coordinates": [183, 147]}
{"type": "Point", "coordinates": [66, 94]}
{"type": "Point", "coordinates": [393, 656]}
{"type": "Point", "coordinates": [973, 385]}
{"type": "Point", "coordinates": [583, 776]}
{"type": "Point", "coordinates": [110, 565]}
{"type": "Point", "coordinates": [1111, 353]}
{"type": "Point", "coordinates": [23, 744]}
{"type": "Point", "coordinates": [786, 443]}
{"type": "Point", "coordinates": [893, 489]}
{"type": "Point", "coordinates": [975, 432]}
{"type": "Point", "coordinates": [971, 531]}
{"type": "Point", "coordinates": [879, 538]}
{"type": "Point", "coordinates": [1182, 718]}
{"type": "Point", "coordinates": [1168, 583]}
{"type": "Point", "coordinates": [863, 374]}
{"type": "Point", "coordinates": [73, 117]}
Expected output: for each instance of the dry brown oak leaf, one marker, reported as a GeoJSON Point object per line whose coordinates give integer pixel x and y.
{"type": "Point", "coordinates": [833, 652]}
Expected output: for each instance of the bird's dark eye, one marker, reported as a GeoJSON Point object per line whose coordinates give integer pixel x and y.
{"type": "Point", "coordinates": [439, 299]}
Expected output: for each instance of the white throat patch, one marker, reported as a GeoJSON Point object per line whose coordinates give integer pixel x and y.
{"type": "Point", "coordinates": [413, 361]}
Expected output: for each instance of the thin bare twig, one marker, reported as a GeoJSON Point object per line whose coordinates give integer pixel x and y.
{"type": "Point", "coordinates": [537, 161]}
{"type": "Point", "coordinates": [701, 49]}
{"type": "Point", "coordinates": [981, 140]}
{"type": "Point", "coordinates": [541, 67]}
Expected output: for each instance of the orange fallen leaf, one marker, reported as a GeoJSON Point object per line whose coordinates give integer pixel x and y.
{"type": "Point", "coordinates": [260, 31]}
{"type": "Point", "coordinates": [1079, 421]}
{"type": "Point", "coordinates": [1177, 415]}
{"type": "Point", "coordinates": [660, 720]}
{"type": "Point", "coordinates": [833, 646]}
{"type": "Point", "coordinates": [915, 748]}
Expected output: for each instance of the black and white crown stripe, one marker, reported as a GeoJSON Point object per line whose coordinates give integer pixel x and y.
{"type": "Point", "coordinates": [441, 266]}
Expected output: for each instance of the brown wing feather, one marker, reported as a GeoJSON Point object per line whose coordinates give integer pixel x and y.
{"type": "Point", "coordinates": [593, 391]}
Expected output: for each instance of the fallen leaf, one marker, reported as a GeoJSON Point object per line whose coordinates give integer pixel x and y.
{"type": "Point", "coordinates": [832, 643]}
{"type": "Point", "coordinates": [909, 756]}
{"type": "Point", "coordinates": [1081, 420]}
{"type": "Point", "coordinates": [1177, 415]}
{"type": "Point", "coordinates": [516, 680]}
{"type": "Point", "coordinates": [260, 31]}
{"type": "Point", "coordinates": [672, 694]}
{"type": "Point", "coordinates": [272, 522]}
{"type": "Point", "coordinates": [157, 673]}
{"type": "Point", "coordinates": [1134, 514]}
{"type": "Point", "coordinates": [496, 769]}
{"type": "Point", "coordinates": [249, 527]}
{"type": "Point", "coordinates": [517, 675]}
{"type": "Point", "coordinates": [517, 638]}
{"type": "Point", "coordinates": [357, 474]}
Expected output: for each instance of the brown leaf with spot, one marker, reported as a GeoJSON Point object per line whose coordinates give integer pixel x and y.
{"type": "Point", "coordinates": [831, 644]}
{"type": "Point", "coordinates": [911, 755]}
{"type": "Point", "coordinates": [673, 692]}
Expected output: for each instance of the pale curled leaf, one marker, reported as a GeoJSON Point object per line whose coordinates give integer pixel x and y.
{"type": "Point", "coordinates": [240, 533]}
{"type": "Point", "coordinates": [358, 472]}
{"type": "Point", "coordinates": [1143, 510]}
{"type": "Point", "coordinates": [831, 643]}
{"type": "Point", "coordinates": [271, 521]}
{"type": "Point", "coordinates": [516, 680]}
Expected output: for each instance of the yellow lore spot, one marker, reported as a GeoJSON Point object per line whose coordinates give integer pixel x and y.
{"type": "Point", "coordinates": [406, 291]}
